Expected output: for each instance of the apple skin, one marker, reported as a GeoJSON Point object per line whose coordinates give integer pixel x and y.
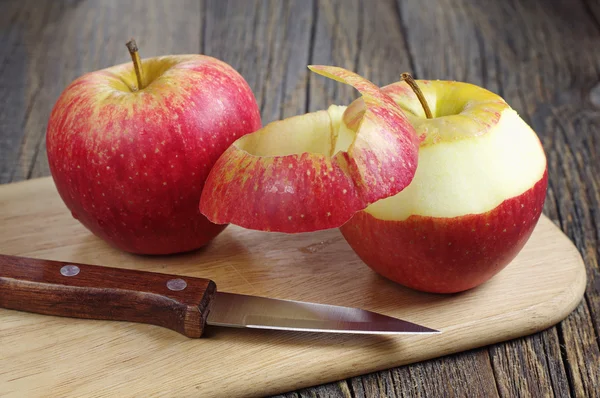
{"type": "Point", "coordinates": [294, 176]}
{"type": "Point", "coordinates": [131, 166]}
{"type": "Point", "coordinates": [447, 255]}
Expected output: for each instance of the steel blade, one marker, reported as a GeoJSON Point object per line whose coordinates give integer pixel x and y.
{"type": "Point", "coordinates": [238, 310]}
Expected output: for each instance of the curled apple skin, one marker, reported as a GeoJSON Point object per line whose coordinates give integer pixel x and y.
{"type": "Point", "coordinates": [474, 201]}
{"type": "Point", "coordinates": [314, 171]}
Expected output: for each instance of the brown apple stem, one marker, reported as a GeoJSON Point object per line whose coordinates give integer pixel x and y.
{"type": "Point", "coordinates": [413, 84]}
{"type": "Point", "coordinates": [137, 62]}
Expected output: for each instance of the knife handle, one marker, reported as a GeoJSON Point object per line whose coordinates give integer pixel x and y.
{"type": "Point", "coordinates": [179, 303]}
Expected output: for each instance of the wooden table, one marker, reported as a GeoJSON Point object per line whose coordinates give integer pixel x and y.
{"type": "Point", "coordinates": [542, 56]}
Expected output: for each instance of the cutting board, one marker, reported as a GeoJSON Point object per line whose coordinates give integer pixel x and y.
{"type": "Point", "coordinates": [51, 356]}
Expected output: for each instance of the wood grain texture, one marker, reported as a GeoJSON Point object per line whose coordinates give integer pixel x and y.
{"type": "Point", "coordinates": [41, 287]}
{"type": "Point", "coordinates": [49, 44]}
{"type": "Point", "coordinates": [542, 286]}
{"type": "Point", "coordinates": [541, 56]}
{"type": "Point", "coordinates": [268, 43]}
{"type": "Point", "coordinates": [470, 374]}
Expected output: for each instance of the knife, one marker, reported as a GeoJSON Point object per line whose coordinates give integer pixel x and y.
{"type": "Point", "coordinates": [181, 303]}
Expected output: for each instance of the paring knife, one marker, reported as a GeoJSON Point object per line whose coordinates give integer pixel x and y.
{"type": "Point", "coordinates": [181, 303]}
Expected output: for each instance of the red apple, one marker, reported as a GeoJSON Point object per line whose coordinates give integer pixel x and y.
{"type": "Point", "coordinates": [314, 171]}
{"type": "Point", "coordinates": [130, 158]}
{"type": "Point", "coordinates": [475, 199]}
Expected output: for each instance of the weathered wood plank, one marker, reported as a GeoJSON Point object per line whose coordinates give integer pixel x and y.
{"type": "Point", "coordinates": [457, 375]}
{"type": "Point", "coordinates": [19, 31]}
{"type": "Point", "coordinates": [593, 6]}
{"type": "Point", "coordinates": [470, 374]}
{"type": "Point", "coordinates": [333, 390]}
{"type": "Point", "coordinates": [241, 33]}
{"type": "Point", "coordinates": [284, 89]}
{"type": "Point", "coordinates": [301, 24]}
{"type": "Point", "coordinates": [336, 43]}
{"type": "Point", "coordinates": [530, 367]}
{"type": "Point", "coordinates": [575, 178]}
{"type": "Point", "coordinates": [268, 43]}
{"type": "Point", "coordinates": [384, 53]}
{"type": "Point", "coordinates": [55, 51]}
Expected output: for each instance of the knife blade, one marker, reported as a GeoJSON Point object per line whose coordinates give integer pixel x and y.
{"type": "Point", "coordinates": [181, 303]}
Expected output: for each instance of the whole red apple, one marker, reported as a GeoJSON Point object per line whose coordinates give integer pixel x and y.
{"type": "Point", "coordinates": [475, 199]}
{"type": "Point", "coordinates": [129, 152]}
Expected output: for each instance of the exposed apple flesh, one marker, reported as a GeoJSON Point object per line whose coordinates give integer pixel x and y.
{"type": "Point", "coordinates": [476, 197]}
{"type": "Point", "coordinates": [130, 162]}
{"type": "Point", "coordinates": [314, 171]}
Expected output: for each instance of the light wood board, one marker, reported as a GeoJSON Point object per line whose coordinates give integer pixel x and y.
{"type": "Point", "coordinates": [51, 356]}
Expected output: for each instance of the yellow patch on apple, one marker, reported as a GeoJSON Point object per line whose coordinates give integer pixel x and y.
{"type": "Point", "coordinates": [475, 153]}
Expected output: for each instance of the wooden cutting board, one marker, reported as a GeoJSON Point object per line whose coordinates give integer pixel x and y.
{"type": "Point", "coordinates": [50, 356]}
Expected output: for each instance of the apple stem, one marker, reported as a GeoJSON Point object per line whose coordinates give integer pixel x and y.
{"type": "Point", "coordinates": [413, 84]}
{"type": "Point", "coordinates": [137, 63]}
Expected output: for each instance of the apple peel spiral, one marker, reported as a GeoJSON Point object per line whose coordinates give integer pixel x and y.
{"type": "Point", "coordinates": [314, 171]}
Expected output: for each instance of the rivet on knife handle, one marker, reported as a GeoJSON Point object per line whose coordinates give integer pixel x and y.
{"type": "Point", "coordinates": [92, 292]}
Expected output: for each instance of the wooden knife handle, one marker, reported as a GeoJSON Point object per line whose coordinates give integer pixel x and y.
{"type": "Point", "coordinates": [75, 290]}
